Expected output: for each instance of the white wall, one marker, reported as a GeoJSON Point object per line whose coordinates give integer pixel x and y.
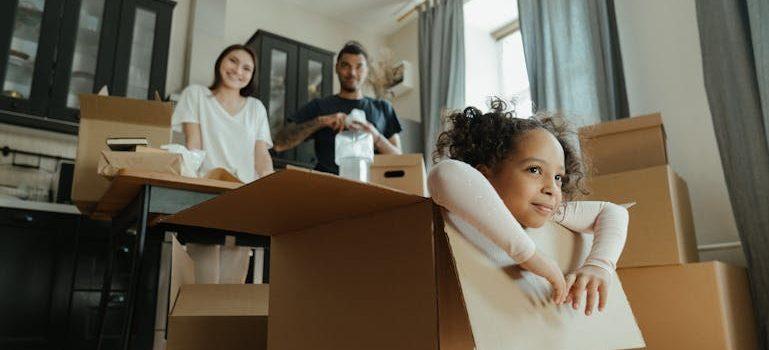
{"type": "Point", "coordinates": [221, 23]}
{"type": "Point", "coordinates": [405, 46]}
{"type": "Point", "coordinates": [663, 69]}
{"type": "Point", "coordinates": [177, 52]}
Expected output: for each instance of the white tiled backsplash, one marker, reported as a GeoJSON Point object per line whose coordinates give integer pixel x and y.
{"type": "Point", "coordinates": [29, 183]}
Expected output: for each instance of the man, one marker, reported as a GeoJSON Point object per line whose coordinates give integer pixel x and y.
{"type": "Point", "coordinates": [323, 118]}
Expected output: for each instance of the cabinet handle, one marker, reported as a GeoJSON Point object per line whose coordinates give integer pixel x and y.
{"type": "Point", "coordinates": [24, 218]}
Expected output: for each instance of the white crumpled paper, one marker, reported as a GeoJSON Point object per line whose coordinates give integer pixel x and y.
{"type": "Point", "coordinates": [191, 159]}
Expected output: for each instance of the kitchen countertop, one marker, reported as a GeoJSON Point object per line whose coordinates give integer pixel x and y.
{"type": "Point", "coordinates": [15, 203]}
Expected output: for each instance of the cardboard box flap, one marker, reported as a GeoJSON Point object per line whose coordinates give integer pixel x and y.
{"type": "Point", "coordinates": [392, 160]}
{"type": "Point", "coordinates": [222, 300]}
{"type": "Point", "coordinates": [621, 125]}
{"type": "Point", "coordinates": [111, 108]}
{"type": "Point", "coordinates": [507, 305]}
{"type": "Point", "coordinates": [290, 200]}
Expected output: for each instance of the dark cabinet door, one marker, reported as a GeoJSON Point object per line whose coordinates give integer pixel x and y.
{"type": "Point", "coordinates": [290, 75]}
{"type": "Point", "coordinates": [36, 266]}
{"type": "Point", "coordinates": [28, 34]}
{"type": "Point", "coordinates": [142, 50]}
{"type": "Point", "coordinates": [315, 81]}
{"type": "Point", "coordinates": [277, 79]}
{"type": "Point", "coordinates": [85, 54]}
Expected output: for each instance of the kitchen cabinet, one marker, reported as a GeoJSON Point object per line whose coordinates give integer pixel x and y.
{"type": "Point", "coordinates": [53, 50]}
{"type": "Point", "coordinates": [290, 74]}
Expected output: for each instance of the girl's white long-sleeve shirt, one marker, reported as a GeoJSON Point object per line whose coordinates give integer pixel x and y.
{"type": "Point", "coordinates": [468, 195]}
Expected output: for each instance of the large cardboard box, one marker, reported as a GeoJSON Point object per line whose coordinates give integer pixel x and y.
{"type": "Point", "coordinates": [661, 230]}
{"type": "Point", "coordinates": [103, 117]}
{"type": "Point", "coordinates": [694, 306]}
{"type": "Point", "coordinates": [360, 266]}
{"type": "Point", "coordinates": [624, 144]}
{"type": "Point", "coordinates": [405, 172]}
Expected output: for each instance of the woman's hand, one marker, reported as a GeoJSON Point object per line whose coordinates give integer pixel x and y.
{"type": "Point", "coordinates": [545, 267]}
{"type": "Point", "coordinates": [592, 280]}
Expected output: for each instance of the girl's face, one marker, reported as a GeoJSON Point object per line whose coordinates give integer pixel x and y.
{"type": "Point", "coordinates": [236, 69]}
{"type": "Point", "coordinates": [529, 181]}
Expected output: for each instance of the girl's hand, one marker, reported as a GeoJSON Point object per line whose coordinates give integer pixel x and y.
{"type": "Point", "coordinates": [545, 267]}
{"type": "Point", "coordinates": [591, 279]}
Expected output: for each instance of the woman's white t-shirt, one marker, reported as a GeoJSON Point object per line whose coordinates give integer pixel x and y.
{"type": "Point", "coordinates": [228, 140]}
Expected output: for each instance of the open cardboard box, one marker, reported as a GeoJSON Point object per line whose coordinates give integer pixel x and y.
{"type": "Point", "coordinates": [624, 144]}
{"type": "Point", "coordinates": [103, 117]}
{"type": "Point", "coordinates": [359, 266]}
{"type": "Point", "coordinates": [208, 316]}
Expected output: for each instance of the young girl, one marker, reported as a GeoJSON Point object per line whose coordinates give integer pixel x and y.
{"type": "Point", "coordinates": [225, 121]}
{"type": "Point", "coordinates": [506, 174]}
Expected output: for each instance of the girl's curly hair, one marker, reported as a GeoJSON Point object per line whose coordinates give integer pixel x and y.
{"type": "Point", "coordinates": [488, 139]}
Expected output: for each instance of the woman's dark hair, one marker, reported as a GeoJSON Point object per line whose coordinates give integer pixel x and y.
{"type": "Point", "coordinates": [488, 139]}
{"type": "Point", "coordinates": [354, 48]}
{"type": "Point", "coordinates": [247, 90]}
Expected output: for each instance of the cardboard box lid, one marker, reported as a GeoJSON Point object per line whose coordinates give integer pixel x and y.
{"type": "Point", "coordinates": [397, 160]}
{"type": "Point", "coordinates": [126, 110]}
{"type": "Point", "coordinates": [291, 200]}
{"type": "Point", "coordinates": [622, 125]}
{"type": "Point", "coordinates": [222, 300]}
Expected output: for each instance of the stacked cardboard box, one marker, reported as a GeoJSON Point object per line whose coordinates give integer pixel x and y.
{"type": "Point", "coordinates": [678, 303]}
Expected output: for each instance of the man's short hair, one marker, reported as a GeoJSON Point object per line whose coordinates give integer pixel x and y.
{"type": "Point", "coordinates": [352, 47]}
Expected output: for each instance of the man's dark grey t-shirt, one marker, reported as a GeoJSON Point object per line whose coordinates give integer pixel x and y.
{"type": "Point", "coordinates": [380, 113]}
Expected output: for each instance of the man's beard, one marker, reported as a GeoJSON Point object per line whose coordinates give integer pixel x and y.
{"type": "Point", "coordinates": [348, 87]}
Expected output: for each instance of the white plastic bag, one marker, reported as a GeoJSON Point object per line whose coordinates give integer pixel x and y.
{"type": "Point", "coordinates": [354, 154]}
{"type": "Point", "coordinates": [191, 159]}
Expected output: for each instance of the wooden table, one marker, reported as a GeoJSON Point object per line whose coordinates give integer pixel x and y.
{"type": "Point", "coordinates": [133, 199]}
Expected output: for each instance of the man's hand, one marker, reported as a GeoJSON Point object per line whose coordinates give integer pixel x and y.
{"type": "Point", "coordinates": [366, 127]}
{"type": "Point", "coordinates": [591, 279]}
{"type": "Point", "coordinates": [334, 121]}
{"type": "Point", "coordinates": [545, 267]}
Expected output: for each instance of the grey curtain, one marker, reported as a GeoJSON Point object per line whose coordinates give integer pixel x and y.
{"type": "Point", "coordinates": [573, 58]}
{"type": "Point", "coordinates": [735, 60]}
{"type": "Point", "coordinates": [441, 66]}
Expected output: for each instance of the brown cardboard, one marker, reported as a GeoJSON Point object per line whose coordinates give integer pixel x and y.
{"type": "Point", "coordinates": [222, 175]}
{"type": "Point", "coordinates": [405, 172]}
{"type": "Point", "coordinates": [110, 162]}
{"type": "Point", "coordinates": [219, 316]}
{"type": "Point", "coordinates": [366, 267]}
{"type": "Point", "coordinates": [103, 117]}
{"type": "Point", "coordinates": [624, 144]}
{"type": "Point", "coordinates": [517, 313]}
{"type": "Point", "coordinates": [693, 306]}
{"type": "Point", "coordinates": [661, 230]}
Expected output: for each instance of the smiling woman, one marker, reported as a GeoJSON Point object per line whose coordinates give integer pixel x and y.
{"type": "Point", "coordinates": [225, 121]}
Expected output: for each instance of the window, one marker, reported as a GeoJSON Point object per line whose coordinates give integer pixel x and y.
{"type": "Point", "coordinates": [494, 60]}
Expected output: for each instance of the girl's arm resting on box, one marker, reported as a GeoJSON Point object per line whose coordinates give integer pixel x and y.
{"type": "Point", "coordinates": [465, 192]}
{"type": "Point", "coordinates": [607, 221]}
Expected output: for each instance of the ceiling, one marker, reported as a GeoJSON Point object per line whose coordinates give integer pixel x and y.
{"type": "Point", "coordinates": [375, 16]}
